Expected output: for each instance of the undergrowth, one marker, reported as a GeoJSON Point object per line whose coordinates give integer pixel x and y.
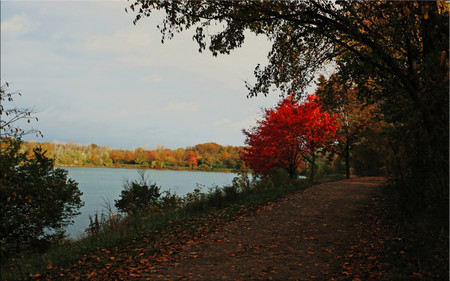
{"type": "Point", "coordinates": [420, 248]}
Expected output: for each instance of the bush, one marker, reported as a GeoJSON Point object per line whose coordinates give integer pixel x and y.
{"type": "Point", "coordinates": [170, 202]}
{"type": "Point", "coordinates": [231, 193]}
{"type": "Point", "coordinates": [242, 181]}
{"type": "Point", "coordinates": [38, 201]}
{"type": "Point", "coordinates": [139, 197]}
{"type": "Point", "coordinates": [216, 198]}
{"type": "Point", "coordinates": [108, 220]}
{"type": "Point", "coordinates": [195, 201]}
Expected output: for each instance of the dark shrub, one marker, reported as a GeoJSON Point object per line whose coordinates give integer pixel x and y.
{"type": "Point", "coordinates": [216, 198]}
{"type": "Point", "coordinates": [138, 197]}
{"type": "Point", "coordinates": [231, 193]}
{"type": "Point", "coordinates": [38, 201]}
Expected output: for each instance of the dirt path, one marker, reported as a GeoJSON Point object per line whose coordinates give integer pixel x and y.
{"type": "Point", "coordinates": [328, 232]}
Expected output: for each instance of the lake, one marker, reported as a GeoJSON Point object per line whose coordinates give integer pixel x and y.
{"type": "Point", "coordinates": [101, 186]}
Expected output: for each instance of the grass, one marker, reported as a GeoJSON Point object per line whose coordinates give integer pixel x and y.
{"type": "Point", "coordinates": [219, 204]}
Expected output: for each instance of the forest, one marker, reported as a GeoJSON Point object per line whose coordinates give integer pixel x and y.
{"type": "Point", "coordinates": [203, 157]}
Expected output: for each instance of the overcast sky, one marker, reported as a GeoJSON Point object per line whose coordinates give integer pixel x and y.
{"type": "Point", "coordinates": [94, 77]}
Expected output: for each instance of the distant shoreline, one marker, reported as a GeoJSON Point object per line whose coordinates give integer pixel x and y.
{"type": "Point", "coordinates": [144, 168]}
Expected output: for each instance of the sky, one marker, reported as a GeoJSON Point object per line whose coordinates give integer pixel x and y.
{"type": "Point", "coordinates": [94, 77]}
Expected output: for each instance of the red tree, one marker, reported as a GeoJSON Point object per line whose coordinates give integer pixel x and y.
{"type": "Point", "coordinates": [288, 135]}
{"type": "Point", "coordinates": [192, 159]}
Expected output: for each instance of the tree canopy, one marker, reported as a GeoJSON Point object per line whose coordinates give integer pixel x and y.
{"type": "Point", "coordinates": [288, 136]}
{"type": "Point", "coordinates": [357, 119]}
{"type": "Point", "coordinates": [305, 34]}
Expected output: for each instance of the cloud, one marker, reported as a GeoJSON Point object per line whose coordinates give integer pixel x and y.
{"type": "Point", "coordinates": [18, 24]}
{"type": "Point", "coordinates": [122, 41]}
{"type": "Point", "coordinates": [233, 125]}
{"type": "Point", "coordinates": [221, 122]}
{"type": "Point", "coordinates": [139, 46]}
{"type": "Point", "coordinates": [106, 81]}
{"type": "Point", "coordinates": [152, 78]}
{"type": "Point", "coordinates": [180, 107]}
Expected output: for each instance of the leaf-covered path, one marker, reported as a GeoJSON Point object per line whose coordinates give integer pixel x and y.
{"type": "Point", "coordinates": [330, 231]}
{"type": "Point", "coordinates": [327, 232]}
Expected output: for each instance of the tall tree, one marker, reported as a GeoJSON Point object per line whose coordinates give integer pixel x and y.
{"type": "Point", "coordinates": [340, 97]}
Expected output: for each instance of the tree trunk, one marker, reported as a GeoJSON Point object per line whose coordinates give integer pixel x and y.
{"type": "Point", "coordinates": [292, 171]}
{"type": "Point", "coordinates": [347, 160]}
{"type": "Point", "coordinates": [313, 163]}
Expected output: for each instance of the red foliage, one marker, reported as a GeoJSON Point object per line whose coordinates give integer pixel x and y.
{"type": "Point", "coordinates": [287, 135]}
{"type": "Point", "coordinates": [192, 159]}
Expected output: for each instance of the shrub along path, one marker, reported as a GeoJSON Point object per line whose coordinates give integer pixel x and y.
{"type": "Point", "coordinates": [330, 231]}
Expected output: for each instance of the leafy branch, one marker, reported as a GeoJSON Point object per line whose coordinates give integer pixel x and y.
{"type": "Point", "coordinates": [9, 117]}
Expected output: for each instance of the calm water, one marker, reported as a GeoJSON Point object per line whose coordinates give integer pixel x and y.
{"type": "Point", "coordinates": [101, 186]}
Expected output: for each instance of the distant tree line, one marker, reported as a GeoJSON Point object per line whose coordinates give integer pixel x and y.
{"type": "Point", "coordinates": [204, 157]}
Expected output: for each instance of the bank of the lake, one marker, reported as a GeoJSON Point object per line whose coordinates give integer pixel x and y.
{"type": "Point", "coordinates": [140, 167]}
{"type": "Point", "coordinates": [189, 218]}
{"type": "Point", "coordinates": [101, 186]}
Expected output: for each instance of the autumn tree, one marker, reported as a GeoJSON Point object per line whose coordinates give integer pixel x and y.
{"type": "Point", "coordinates": [320, 130]}
{"type": "Point", "coordinates": [140, 157]}
{"type": "Point", "coordinates": [288, 135]}
{"type": "Point", "coordinates": [339, 96]}
{"type": "Point", "coordinates": [192, 159]}
{"type": "Point", "coordinates": [116, 155]}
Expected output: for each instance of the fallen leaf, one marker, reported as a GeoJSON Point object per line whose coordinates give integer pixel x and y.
{"type": "Point", "coordinates": [92, 274]}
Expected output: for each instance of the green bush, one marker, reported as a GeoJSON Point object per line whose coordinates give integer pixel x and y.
{"type": "Point", "coordinates": [138, 197]}
{"type": "Point", "coordinates": [38, 201]}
